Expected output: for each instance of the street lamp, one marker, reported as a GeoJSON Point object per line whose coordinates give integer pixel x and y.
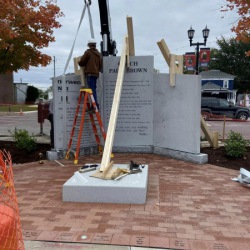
{"type": "Point", "coordinates": [205, 34]}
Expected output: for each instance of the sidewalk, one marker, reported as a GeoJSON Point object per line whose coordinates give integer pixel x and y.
{"type": "Point", "coordinates": [188, 207]}
{"type": "Point", "coordinates": [33, 245]}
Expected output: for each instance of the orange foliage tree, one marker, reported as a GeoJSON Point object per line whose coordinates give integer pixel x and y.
{"type": "Point", "coordinates": [26, 26]}
{"type": "Point", "coordinates": [242, 27]}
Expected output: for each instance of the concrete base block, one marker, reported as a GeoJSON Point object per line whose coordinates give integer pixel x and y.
{"type": "Point", "coordinates": [131, 189]}
{"type": "Point", "coordinates": [89, 150]}
{"type": "Point", "coordinates": [133, 149]}
{"type": "Point", "coordinates": [52, 155]}
{"type": "Point", "coordinates": [60, 154]}
{"type": "Point", "coordinates": [184, 156]}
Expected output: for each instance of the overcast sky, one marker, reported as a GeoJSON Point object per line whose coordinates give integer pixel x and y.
{"type": "Point", "coordinates": [152, 21]}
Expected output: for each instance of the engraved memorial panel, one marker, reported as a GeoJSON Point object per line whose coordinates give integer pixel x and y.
{"type": "Point", "coordinates": [65, 96]}
{"type": "Point", "coordinates": [135, 117]}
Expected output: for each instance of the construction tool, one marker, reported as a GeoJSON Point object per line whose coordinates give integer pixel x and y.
{"type": "Point", "coordinates": [87, 168]}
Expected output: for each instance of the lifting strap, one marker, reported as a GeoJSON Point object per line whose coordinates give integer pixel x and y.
{"type": "Point", "coordinates": [87, 4]}
{"type": "Point", "coordinates": [91, 23]}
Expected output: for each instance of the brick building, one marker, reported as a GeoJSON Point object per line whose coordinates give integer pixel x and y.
{"type": "Point", "coordinates": [6, 88]}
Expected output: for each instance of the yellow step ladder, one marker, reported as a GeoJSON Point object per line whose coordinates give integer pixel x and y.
{"type": "Point", "coordinates": [86, 104]}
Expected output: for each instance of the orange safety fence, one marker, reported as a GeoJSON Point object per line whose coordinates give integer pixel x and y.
{"type": "Point", "coordinates": [10, 225]}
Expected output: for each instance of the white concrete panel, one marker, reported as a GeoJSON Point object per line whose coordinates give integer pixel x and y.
{"type": "Point", "coordinates": [177, 113]}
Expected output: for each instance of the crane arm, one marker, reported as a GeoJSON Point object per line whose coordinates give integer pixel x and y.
{"type": "Point", "coordinates": [108, 46]}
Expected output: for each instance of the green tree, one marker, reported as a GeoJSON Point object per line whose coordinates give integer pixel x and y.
{"type": "Point", "coordinates": [32, 94]}
{"type": "Point", "coordinates": [46, 92]}
{"type": "Point", "coordinates": [231, 58]}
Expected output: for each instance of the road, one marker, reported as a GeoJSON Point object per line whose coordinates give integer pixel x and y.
{"type": "Point", "coordinates": [29, 121]}
{"type": "Point", "coordinates": [235, 126]}
{"type": "Point", "coordinates": [26, 120]}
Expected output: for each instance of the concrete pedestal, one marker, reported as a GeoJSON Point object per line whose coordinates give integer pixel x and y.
{"type": "Point", "coordinates": [131, 189]}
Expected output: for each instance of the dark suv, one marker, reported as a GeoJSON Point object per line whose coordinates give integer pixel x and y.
{"type": "Point", "coordinates": [216, 107]}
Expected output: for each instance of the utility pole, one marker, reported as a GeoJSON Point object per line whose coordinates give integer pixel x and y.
{"type": "Point", "coordinates": [54, 66]}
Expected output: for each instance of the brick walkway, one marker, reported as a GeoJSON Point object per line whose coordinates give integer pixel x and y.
{"type": "Point", "coordinates": [188, 207]}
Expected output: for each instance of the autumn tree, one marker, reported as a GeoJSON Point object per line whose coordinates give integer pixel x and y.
{"type": "Point", "coordinates": [242, 26]}
{"type": "Point", "coordinates": [26, 26]}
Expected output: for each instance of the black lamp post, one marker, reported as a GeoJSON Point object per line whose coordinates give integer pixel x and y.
{"type": "Point", "coordinates": [205, 34]}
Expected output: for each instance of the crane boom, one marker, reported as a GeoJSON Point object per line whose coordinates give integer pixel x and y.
{"type": "Point", "coordinates": [108, 46]}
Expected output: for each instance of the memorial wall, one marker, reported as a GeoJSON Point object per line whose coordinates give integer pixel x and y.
{"type": "Point", "coordinates": [153, 116]}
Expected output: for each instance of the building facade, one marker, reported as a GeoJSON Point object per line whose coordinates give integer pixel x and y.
{"type": "Point", "coordinates": [218, 84]}
{"type": "Point", "coordinates": [6, 89]}
{"type": "Point", "coordinates": [20, 92]}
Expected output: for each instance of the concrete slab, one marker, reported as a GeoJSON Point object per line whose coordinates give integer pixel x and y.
{"type": "Point", "coordinates": [131, 189]}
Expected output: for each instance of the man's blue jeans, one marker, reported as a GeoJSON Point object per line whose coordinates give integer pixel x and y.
{"type": "Point", "coordinates": [91, 82]}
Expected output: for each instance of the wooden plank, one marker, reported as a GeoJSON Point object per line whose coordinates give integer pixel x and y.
{"type": "Point", "coordinates": [167, 55]}
{"type": "Point", "coordinates": [79, 70]}
{"type": "Point", "coordinates": [127, 51]}
{"type": "Point", "coordinates": [114, 111]}
{"type": "Point", "coordinates": [206, 131]}
{"type": "Point", "coordinates": [179, 58]}
{"type": "Point", "coordinates": [108, 168]}
{"type": "Point", "coordinates": [171, 61]}
{"type": "Point", "coordinates": [164, 50]}
{"type": "Point", "coordinates": [215, 139]}
{"type": "Point", "coordinates": [131, 44]}
{"type": "Point", "coordinates": [105, 174]}
{"type": "Point", "coordinates": [172, 70]}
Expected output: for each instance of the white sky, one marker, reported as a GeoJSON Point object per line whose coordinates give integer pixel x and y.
{"type": "Point", "coordinates": [152, 21]}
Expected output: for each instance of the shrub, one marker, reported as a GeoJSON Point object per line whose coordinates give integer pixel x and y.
{"type": "Point", "coordinates": [235, 145]}
{"type": "Point", "coordinates": [32, 94]}
{"type": "Point", "coordinates": [24, 140]}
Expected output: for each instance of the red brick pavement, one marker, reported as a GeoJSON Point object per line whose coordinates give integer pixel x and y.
{"type": "Point", "coordinates": [188, 206]}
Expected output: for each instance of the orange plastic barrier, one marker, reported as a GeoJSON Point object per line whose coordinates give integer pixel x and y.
{"type": "Point", "coordinates": [10, 225]}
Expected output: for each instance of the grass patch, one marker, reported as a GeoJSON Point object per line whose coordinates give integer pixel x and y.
{"type": "Point", "coordinates": [17, 108]}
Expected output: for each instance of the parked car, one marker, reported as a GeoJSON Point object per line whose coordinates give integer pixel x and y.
{"type": "Point", "coordinates": [40, 100]}
{"type": "Point", "coordinates": [217, 107]}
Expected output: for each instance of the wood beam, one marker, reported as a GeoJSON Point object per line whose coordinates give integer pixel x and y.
{"type": "Point", "coordinates": [172, 69]}
{"type": "Point", "coordinates": [164, 50]}
{"type": "Point", "coordinates": [79, 70]}
{"type": "Point", "coordinates": [215, 139]}
{"type": "Point", "coordinates": [208, 134]}
{"type": "Point", "coordinates": [127, 51]}
{"type": "Point", "coordinates": [114, 111]}
{"type": "Point", "coordinates": [130, 36]}
{"type": "Point", "coordinates": [179, 58]}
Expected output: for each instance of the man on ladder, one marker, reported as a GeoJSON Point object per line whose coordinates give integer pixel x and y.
{"type": "Point", "coordinates": [92, 63]}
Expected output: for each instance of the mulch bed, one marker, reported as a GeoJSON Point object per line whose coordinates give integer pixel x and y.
{"type": "Point", "coordinates": [22, 156]}
{"type": "Point", "coordinates": [217, 156]}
